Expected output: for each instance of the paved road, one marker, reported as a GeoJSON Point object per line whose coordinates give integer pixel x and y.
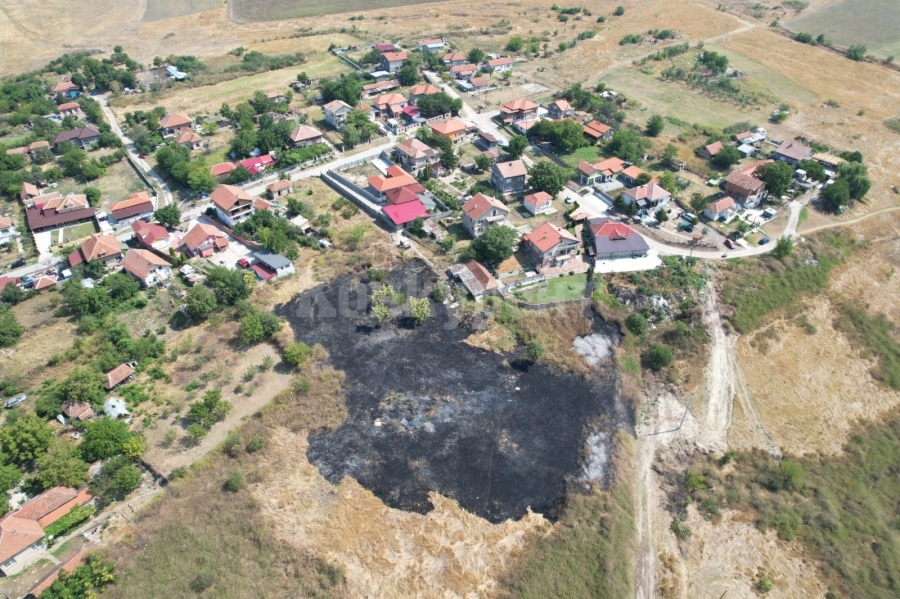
{"type": "Point", "coordinates": [165, 196]}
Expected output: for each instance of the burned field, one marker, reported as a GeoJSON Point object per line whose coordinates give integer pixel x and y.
{"type": "Point", "coordinates": [428, 412]}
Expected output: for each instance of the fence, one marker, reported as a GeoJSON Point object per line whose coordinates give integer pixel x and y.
{"type": "Point", "coordinates": [582, 301]}
{"type": "Point", "coordinates": [356, 195]}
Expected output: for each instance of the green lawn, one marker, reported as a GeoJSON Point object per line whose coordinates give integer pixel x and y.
{"type": "Point", "coordinates": [77, 232]}
{"type": "Point", "coordinates": [555, 290]}
{"type": "Point", "coordinates": [587, 153]}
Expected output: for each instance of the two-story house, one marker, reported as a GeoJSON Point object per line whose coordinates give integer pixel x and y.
{"type": "Point", "coordinates": [463, 71]}
{"type": "Point", "coordinates": [745, 189]}
{"type": "Point", "coordinates": [203, 240]}
{"type": "Point", "coordinates": [7, 230]}
{"type": "Point", "coordinates": [538, 203]}
{"type": "Point", "coordinates": [233, 204]}
{"type": "Point", "coordinates": [336, 113]}
{"type": "Point", "coordinates": [414, 154]}
{"type": "Point", "coordinates": [152, 236]}
{"type": "Point", "coordinates": [453, 59]}
{"type": "Point", "coordinates": [418, 91]}
{"type": "Point", "coordinates": [103, 248]}
{"type": "Point", "coordinates": [147, 267]}
{"type": "Point", "coordinates": [550, 246]}
{"type": "Point", "coordinates": [560, 109]}
{"type": "Point", "coordinates": [649, 196]}
{"type": "Point", "coordinates": [481, 212]}
{"type": "Point", "coordinates": [388, 106]}
{"type": "Point", "coordinates": [522, 109]}
{"type": "Point", "coordinates": [509, 177]}
{"type": "Point", "coordinates": [452, 129]}
{"type": "Point", "coordinates": [391, 62]}
{"type": "Point", "coordinates": [83, 137]}
{"type": "Point", "coordinates": [792, 152]}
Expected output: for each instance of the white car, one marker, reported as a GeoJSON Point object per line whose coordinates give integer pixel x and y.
{"type": "Point", "coordinates": [13, 401]}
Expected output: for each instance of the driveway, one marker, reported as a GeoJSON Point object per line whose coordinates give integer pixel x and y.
{"type": "Point", "coordinates": [648, 262]}
{"type": "Point", "coordinates": [234, 252]}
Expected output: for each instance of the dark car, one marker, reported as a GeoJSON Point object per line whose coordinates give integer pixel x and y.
{"type": "Point", "coordinates": [764, 241]}
{"type": "Point", "coordinates": [729, 244]}
{"type": "Point", "coordinates": [18, 263]}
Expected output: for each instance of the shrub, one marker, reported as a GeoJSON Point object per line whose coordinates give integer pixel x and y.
{"type": "Point", "coordinates": [256, 443]}
{"type": "Point", "coordinates": [636, 323]}
{"type": "Point", "coordinates": [297, 354]}
{"type": "Point", "coordinates": [235, 482]}
{"type": "Point", "coordinates": [659, 356]}
{"type": "Point", "coordinates": [232, 445]}
{"type": "Point", "coordinates": [534, 351]}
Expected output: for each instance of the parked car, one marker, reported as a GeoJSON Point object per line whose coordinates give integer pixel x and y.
{"type": "Point", "coordinates": [12, 401]}
{"type": "Point", "coordinates": [764, 241]}
{"type": "Point", "coordinates": [729, 244]}
{"type": "Point", "coordinates": [19, 262]}
{"type": "Point", "coordinates": [688, 216]}
{"type": "Point", "coordinates": [243, 263]}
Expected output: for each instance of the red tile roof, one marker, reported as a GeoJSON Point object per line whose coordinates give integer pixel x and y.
{"type": "Point", "coordinates": [713, 148]}
{"type": "Point", "coordinates": [401, 195]}
{"type": "Point", "coordinates": [188, 137]}
{"type": "Point", "coordinates": [424, 90]}
{"type": "Point", "coordinates": [721, 204]}
{"type": "Point", "coordinates": [400, 214]}
{"type": "Point", "coordinates": [383, 184]}
{"type": "Point", "coordinates": [538, 199]}
{"type": "Point", "coordinates": [98, 247]}
{"type": "Point", "coordinates": [149, 233]}
{"type": "Point", "coordinates": [449, 127]}
{"type": "Point", "coordinates": [745, 182]}
{"type": "Point", "coordinates": [596, 129]}
{"type": "Point", "coordinates": [175, 119]}
{"type": "Point", "coordinates": [279, 185]}
{"type": "Point", "coordinates": [499, 62]}
{"type": "Point", "coordinates": [305, 133]}
{"type": "Point", "coordinates": [122, 371]}
{"type": "Point", "coordinates": [137, 203]}
{"type": "Point", "coordinates": [226, 196]}
{"type": "Point", "coordinates": [200, 233]}
{"type": "Point", "coordinates": [78, 411]}
{"type": "Point", "coordinates": [17, 534]}
{"type": "Point", "coordinates": [520, 105]}
{"type": "Point", "coordinates": [547, 237]}
{"type": "Point", "coordinates": [141, 262]}
{"type": "Point", "coordinates": [222, 168]}
{"type": "Point", "coordinates": [479, 204]}
{"type": "Point", "coordinates": [394, 56]}
{"type": "Point", "coordinates": [513, 168]}
{"type": "Point", "coordinates": [650, 191]}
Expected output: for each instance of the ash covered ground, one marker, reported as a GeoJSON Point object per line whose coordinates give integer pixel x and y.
{"type": "Point", "coordinates": [430, 413]}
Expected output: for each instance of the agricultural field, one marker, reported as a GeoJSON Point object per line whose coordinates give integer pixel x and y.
{"type": "Point", "coordinates": [873, 23]}
{"type": "Point", "coordinates": [246, 11]}
{"type": "Point", "coordinates": [167, 9]}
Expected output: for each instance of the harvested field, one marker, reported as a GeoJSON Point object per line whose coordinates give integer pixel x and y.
{"type": "Point", "coordinates": [166, 9]}
{"type": "Point", "coordinates": [870, 22]}
{"type": "Point", "coordinates": [775, 82]}
{"type": "Point", "coordinates": [445, 416]}
{"type": "Point", "coordinates": [245, 11]}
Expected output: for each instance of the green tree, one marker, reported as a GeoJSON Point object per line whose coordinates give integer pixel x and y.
{"type": "Point", "coordinates": [857, 177]}
{"type": "Point", "coordinates": [230, 286]}
{"type": "Point", "coordinates": [516, 146]}
{"type": "Point", "coordinates": [347, 89]}
{"type": "Point", "coordinates": [777, 177]}
{"type": "Point", "coordinates": [84, 582]}
{"type": "Point", "coordinates": [482, 163]}
{"type": "Point", "coordinates": [121, 287]}
{"type": "Point", "coordinates": [565, 135]}
{"type": "Point", "coordinates": [419, 309]}
{"type": "Point", "coordinates": [857, 52]}
{"type": "Point", "coordinates": [169, 215]}
{"type": "Point", "coordinates": [644, 178]}
{"type": "Point", "coordinates": [434, 105]}
{"type": "Point", "coordinates": [201, 180]}
{"type": "Point", "coordinates": [117, 478]}
{"type": "Point", "coordinates": [661, 215]}
{"type": "Point", "coordinates": [83, 384]}
{"type": "Point", "coordinates": [104, 438]}
{"type": "Point", "coordinates": [655, 125]}
{"type": "Point", "coordinates": [836, 196]}
{"type": "Point", "coordinates": [813, 170]}
{"type": "Point", "coordinates": [297, 354]}
{"type": "Point", "coordinates": [620, 10]}
{"type": "Point", "coordinates": [496, 245]}
{"type": "Point", "coordinates": [548, 177]}
{"type": "Point", "coordinates": [10, 329]}
{"type": "Point", "coordinates": [534, 351]}
{"type": "Point", "coordinates": [475, 55]}
{"type": "Point", "coordinates": [60, 466]}
{"type": "Point", "coordinates": [784, 247]}
{"type": "Point", "coordinates": [515, 44]}
{"type": "Point", "coordinates": [93, 195]}
{"type": "Point", "coordinates": [235, 482]}
{"type": "Point", "coordinates": [23, 441]}
{"type": "Point", "coordinates": [200, 302]}
{"type": "Point", "coordinates": [669, 155]}
{"type": "Point", "coordinates": [698, 202]}
{"type": "Point", "coordinates": [628, 145]}
{"type": "Point", "coordinates": [408, 74]}
{"type": "Point", "coordinates": [10, 475]}
{"type": "Point", "coordinates": [659, 356]}
{"type": "Point", "coordinates": [211, 409]}
{"type": "Point", "coordinates": [251, 330]}
{"type": "Point", "coordinates": [726, 157]}
{"type": "Point", "coordinates": [13, 294]}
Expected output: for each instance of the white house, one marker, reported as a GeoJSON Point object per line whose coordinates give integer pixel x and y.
{"type": "Point", "coordinates": [722, 209]}
{"type": "Point", "coordinates": [538, 203]}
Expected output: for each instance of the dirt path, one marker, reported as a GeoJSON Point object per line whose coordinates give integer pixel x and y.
{"type": "Point", "coordinates": [720, 378]}
{"type": "Point", "coordinates": [852, 221]}
{"type": "Point", "coordinates": [751, 412]}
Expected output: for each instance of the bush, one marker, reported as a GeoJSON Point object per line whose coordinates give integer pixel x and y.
{"type": "Point", "coordinates": [534, 351]}
{"type": "Point", "coordinates": [297, 354]}
{"type": "Point", "coordinates": [659, 356]}
{"type": "Point", "coordinates": [235, 482]}
{"type": "Point", "coordinates": [256, 443]}
{"type": "Point", "coordinates": [232, 445]}
{"type": "Point", "coordinates": [78, 515]}
{"type": "Point", "coordinates": [636, 323]}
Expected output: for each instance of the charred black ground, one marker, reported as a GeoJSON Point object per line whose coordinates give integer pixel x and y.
{"type": "Point", "coordinates": [430, 413]}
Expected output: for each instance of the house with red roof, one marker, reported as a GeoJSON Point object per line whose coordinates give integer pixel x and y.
{"type": "Point", "coordinates": [389, 105]}
{"type": "Point", "coordinates": [414, 154]}
{"type": "Point", "coordinates": [203, 240]}
{"type": "Point", "coordinates": [431, 44]}
{"type": "Point", "coordinates": [550, 246]}
{"type": "Point", "coordinates": [74, 410]}
{"type": "Point", "coordinates": [233, 204]}
{"type": "Point", "coordinates": [336, 113]}
{"type": "Point", "coordinates": [418, 91]}
{"type": "Point", "coordinates": [498, 65]}
{"type": "Point", "coordinates": [138, 206]}
{"type": "Point", "coordinates": [258, 164]}
{"type": "Point", "coordinates": [538, 203]}
{"type": "Point", "coordinates": [610, 239]}
{"type": "Point", "coordinates": [191, 141]}
{"type": "Point", "coordinates": [173, 125]}
{"type": "Point", "coordinates": [152, 236]}
{"type": "Point", "coordinates": [723, 209]}
{"type": "Point", "coordinates": [710, 150]}
{"type": "Point", "coordinates": [222, 170]}
{"type": "Point", "coordinates": [519, 110]}
{"type": "Point", "coordinates": [744, 188]}
{"type": "Point", "coordinates": [597, 131]}
{"type": "Point", "coordinates": [82, 137]}
{"type": "Point", "coordinates": [396, 178]}
{"type": "Point", "coordinates": [371, 90]}
{"type": "Point", "coordinates": [146, 267]}
{"type": "Point", "coordinates": [391, 62]}
{"type": "Point", "coordinates": [452, 59]}
{"type": "Point", "coordinates": [463, 71]}
{"type": "Point", "coordinates": [403, 214]}
{"type": "Point", "coordinates": [280, 188]}
{"type": "Point", "coordinates": [55, 211]}
{"type": "Point", "coordinates": [631, 174]}
{"type": "Point", "coordinates": [792, 152]}
{"type": "Point", "coordinates": [481, 212]}
{"type": "Point", "coordinates": [70, 109]}
{"type": "Point", "coordinates": [104, 248]}
{"type": "Point", "coordinates": [118, 375]}
{"type": "Point", "coordinates": [7, 230]}
{"type": "Point", "coordinates": [452, 129]}
{"type": "Point", "coordinates": [560, 109]}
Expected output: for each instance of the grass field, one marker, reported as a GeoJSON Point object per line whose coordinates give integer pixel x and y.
{"type": "Point", "coordinates": [875, 23]}
{"type": "Point", "coordinates": [246, 11]}
{"type": "Point", "coordinates": [776, 83]}
{"type": "Point", "coordinates": [587, 153]}
{"type": "Point", "coordinates": [166, 9]}
{"type": "Point", "coordinates": [120, 181]}
{"type": "Point", "coordinates": [674, 99]}
{"type": "Point", "coordinates": [555, 290]}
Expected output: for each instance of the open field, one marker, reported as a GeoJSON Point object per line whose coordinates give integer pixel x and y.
{"type": "Point", "coordinates": [243, 11]}
{"type": "Point", "coordinates": [783, 87]}
{"type": "Point", "coordinates": [870, 22]}
{"type": "Point", "coordinates": [166, 9]}
{"type": "Point", "coordinates": [119, 181]}
{"type": "Point", "coordinates": [554, 290]}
